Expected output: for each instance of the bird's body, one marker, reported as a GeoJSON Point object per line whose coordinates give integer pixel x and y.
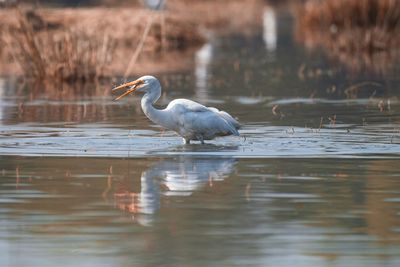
{"type": "Point", "coordinates": [194, 121]}
{"type": "Point", "coordinates": [189, 119]}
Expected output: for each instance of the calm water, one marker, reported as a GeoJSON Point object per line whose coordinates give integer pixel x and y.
{"type": "Point", "coordinates": [313, 181]}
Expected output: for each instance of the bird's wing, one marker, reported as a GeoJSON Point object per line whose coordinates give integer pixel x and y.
{"type": "Point", "coordinates": [205, 120]}
{"type": "Point", "coordinates": [227, 117]}
{"type": "Point", "coordinates": [186, 105]}
{"type": "Point", "coordinates": [207, 123]}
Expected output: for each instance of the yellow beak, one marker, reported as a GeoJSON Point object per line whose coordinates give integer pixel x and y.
{"type": "Point", "coordinates": [133, 87]}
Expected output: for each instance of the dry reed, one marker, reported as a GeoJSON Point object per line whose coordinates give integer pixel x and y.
{"type": "Point", "coordinates": [85, 44]}
{"type": "Point", "coordinates": [363, 34]}
{"type": "Point", "coordinates": [65, 55]}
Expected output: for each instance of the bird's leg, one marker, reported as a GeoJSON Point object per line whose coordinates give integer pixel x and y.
{"type": "Point", "coordinates": [200, 138]}
{"type": "Point", "coordinates": [163, 132]}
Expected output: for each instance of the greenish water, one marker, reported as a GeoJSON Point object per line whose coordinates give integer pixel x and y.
{"type": "Point", "coordinates": [313, 181]}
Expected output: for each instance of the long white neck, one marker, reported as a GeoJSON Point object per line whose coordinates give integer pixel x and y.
{"type": "Point", "coordinates": [158, 116]}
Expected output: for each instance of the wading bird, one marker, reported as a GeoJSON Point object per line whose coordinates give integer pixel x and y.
{"type": "Point", "coordinates": [189, 119]}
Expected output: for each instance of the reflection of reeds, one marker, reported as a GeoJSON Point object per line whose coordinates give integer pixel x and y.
{"type": "Point", "coordinates": [66, 55]}
{"type": "Point", "coordinates": [363, 34]}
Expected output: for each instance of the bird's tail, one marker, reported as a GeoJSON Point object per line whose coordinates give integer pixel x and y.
{"type": "Point", "coordinates": [233, 128]}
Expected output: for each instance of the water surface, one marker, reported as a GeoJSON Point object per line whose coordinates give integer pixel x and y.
{"type": "Point", "coordinates": [199, 211]}
{"type": "Point", "coordinates": [313, 180]}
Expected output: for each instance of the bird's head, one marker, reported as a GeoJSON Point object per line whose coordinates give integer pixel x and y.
{"type": "Point", "coordinates": [143, 84]}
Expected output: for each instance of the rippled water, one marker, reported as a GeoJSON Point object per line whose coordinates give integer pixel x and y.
{"type": "Point", "coordinates": [313, 180]}
{"type": "Point", "coordinates": [199, 211]}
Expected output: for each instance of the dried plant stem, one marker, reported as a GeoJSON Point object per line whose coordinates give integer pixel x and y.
{"type": "Point", "coordinates": [163, 32]}
{"type": "Point", "coordinates": [31, 45]}
{"type": "Point", "coordinates": [139, 48]}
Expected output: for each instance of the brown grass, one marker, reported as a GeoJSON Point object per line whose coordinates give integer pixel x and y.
{"type": "Point", "coordinates": [364, 34]}
{"type": "Point", "coordinates": [85, 44]}
{"type": "Point", "coordinates": [68, 55]}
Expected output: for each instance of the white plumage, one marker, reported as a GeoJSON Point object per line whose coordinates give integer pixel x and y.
{"type": "Point", "coordinates": [189, 119]}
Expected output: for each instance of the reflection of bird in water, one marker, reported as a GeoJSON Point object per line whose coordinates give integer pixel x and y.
{"type": "Point", "coordinates": [189, 119]}
{"type": "Point", "coordinates": [189, 174]}
{"type": "Point", "coordinates": [172, 177]}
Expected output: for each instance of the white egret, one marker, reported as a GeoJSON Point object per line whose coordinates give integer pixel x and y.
{"type": "Point", "coordinates": [189, 119]}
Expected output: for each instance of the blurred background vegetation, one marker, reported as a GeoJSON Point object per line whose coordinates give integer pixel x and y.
{"type": "Point", "coordinates": [56, 42]}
